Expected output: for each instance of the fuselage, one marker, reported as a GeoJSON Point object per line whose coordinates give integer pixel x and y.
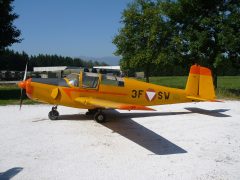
{"type": "Point", "coordinates": [123, 90]}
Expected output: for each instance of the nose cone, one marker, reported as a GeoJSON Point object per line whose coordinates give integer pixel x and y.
{"type": "Point", "coordinates": [22, 84]}
{"type": "Point", "coordinates": [26, 85]}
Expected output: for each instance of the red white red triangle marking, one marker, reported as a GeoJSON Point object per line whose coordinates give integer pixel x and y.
{"type": "Point", "coordinates": [150, 94]}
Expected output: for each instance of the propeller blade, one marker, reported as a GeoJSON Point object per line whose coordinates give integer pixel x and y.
{"type": "Point", "coordinates": [24, 78]}
{"type": "Point", "coordinates": [21, 99]}
{"type": "Point", "coordinates": [25, 73]}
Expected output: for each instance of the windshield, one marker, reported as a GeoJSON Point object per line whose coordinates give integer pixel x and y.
{"type": "Point", "coordinates": [73, 79]}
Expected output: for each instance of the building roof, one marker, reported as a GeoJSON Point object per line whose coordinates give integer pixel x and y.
{"type": "Point", "coordinates": [108, 67]}
{"type": "Point", "coordinates": [53, 68]}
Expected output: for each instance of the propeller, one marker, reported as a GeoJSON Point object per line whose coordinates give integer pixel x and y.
{"type": "Point", "coordinates": [23, 82]}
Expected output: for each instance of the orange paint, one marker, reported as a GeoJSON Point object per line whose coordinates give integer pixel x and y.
{"type": "Point", "coordinates": [195, 69]}
{"type": "Point", "coordinates": [68, 91]}
{"type": "Point", "coordinates": [26, 85]}
{"type": "Point", "coordinates": [29, 88]}
{"type": "Point", "coordinates": [135, 107]}
{"type": "Point", "coordinates": [205, 71]}
{"type": "Point", "coordinates": [22, 84]}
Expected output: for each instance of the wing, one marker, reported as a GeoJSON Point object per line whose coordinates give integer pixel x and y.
{"type": "Point", "coordinates": [100, 103]}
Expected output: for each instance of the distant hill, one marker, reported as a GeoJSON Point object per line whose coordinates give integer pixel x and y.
{"type": "Point", "coordinates": [110, 60]}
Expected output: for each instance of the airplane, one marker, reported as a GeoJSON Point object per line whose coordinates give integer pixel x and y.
{"type": "Point", "coordinates": [98, 92]}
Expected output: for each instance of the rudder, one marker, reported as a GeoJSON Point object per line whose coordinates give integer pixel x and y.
{"type": "Point", "coordinates": [200, 83]}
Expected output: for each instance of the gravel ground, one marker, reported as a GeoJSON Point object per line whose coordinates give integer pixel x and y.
{"type": "Point", "coordinates": [183, 141]}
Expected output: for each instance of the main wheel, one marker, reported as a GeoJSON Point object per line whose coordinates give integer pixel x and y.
{"type": "Point", "coordinates": [53, 115]}
{"type": "Point", "coordinates": [100, 117]}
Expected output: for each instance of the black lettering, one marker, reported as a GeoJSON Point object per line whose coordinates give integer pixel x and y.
{"type": "Point", "coordinates": [140, 93]}
{"type": "Point", "coordinates": [134, 93]}
{"type": "Point", "coordinates": [166, 95]}
{"type": "Point", "coordinates": [160, 95]}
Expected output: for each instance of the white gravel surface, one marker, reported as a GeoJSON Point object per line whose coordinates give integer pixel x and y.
{"type": "Point", "coordinates": [183, 141]}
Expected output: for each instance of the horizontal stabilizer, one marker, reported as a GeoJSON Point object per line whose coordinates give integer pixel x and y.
{"type": "Point", "coordinates": [202, 99]}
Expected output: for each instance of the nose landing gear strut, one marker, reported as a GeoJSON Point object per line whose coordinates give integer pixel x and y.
{"type": "Point", "coordinates": [53, 114]}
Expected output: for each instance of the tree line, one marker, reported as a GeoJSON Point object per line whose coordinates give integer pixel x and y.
{"type": "Point", "coordinates": [11, 60]}
{"type": "Point", "coordinates": [226, 69]}
{"type": "Point", "coordinates": [15, 61]}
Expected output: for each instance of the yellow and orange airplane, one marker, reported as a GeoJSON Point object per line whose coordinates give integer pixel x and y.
{"type": "Point", "coordinates": [97, 92]}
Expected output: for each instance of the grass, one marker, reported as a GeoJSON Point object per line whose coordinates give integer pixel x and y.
{"type": "Point", "coordinates": [10, 94]}
{"type": "Point", "coordinates": [171, 81]}
{"type": "Point", "coordinates": [228, 88]}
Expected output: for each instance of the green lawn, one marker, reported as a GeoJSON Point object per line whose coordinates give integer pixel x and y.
{"type": "Point", "coordinates": [10, 94]}
{"type": "Point", "coordinates": [171, 81]}
{"type": "Point", "coordinates": [228, 88]}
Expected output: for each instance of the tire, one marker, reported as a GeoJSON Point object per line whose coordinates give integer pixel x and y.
{"type": "Point", "coordinates": [100, 117]}
{"type": "Point", "coordinates": [53, 115]}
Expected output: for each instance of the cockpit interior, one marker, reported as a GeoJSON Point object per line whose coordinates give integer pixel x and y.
{"type": "Point", "coordinates": [92, 80]}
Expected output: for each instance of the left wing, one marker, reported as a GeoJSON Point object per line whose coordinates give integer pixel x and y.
{"type": "Point", "coordinates": [100, 103]}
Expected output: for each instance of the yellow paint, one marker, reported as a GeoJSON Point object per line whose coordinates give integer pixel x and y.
{"type": "Point", "coordinates": [54, 93]}
{"type": "Point", "coordinates": [134, 94]}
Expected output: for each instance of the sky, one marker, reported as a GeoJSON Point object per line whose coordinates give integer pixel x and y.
{"type": "Point", "coordinates": [72, 28]}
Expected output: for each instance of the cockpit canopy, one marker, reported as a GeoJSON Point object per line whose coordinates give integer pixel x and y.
{"type": "Point", "coordinates": [92, 80]}
{"type": "Point", "coordinates": [112, 80]}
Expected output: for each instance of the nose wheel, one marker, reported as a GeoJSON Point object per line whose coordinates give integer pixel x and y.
{"type": "Point", "coordinates": [53, 114]}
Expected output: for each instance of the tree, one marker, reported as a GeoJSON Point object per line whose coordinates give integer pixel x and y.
{"type": "Point", "coordinates": [10, 60]}
{"type": "Point", "coordinates": [143, 38]}
{"type": "Point", "coordinates": [9, 34]}
{"type": "Point", "coordinates": [206, 32]}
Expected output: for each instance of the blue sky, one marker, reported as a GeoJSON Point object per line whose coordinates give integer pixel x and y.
{"type": "Point", "coordinates": [69, 28]}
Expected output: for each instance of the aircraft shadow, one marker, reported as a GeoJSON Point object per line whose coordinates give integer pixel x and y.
{"type": "Point", "coordinates": [75, 117]}
{"type": "Point", "coordinates": [70, 117]}
{"type": "Point", "coordinates": [122, 124]}
{"type": "Point", "coordinates": [10, 173]}
{"type": "Point", "coordinates": [214, 113]}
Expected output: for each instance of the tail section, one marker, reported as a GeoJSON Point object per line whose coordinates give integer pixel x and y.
{"type": "Point", "coordinates": [200, 84]}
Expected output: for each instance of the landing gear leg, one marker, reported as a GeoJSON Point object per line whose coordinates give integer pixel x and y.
{"type": "Point", "coordinates": [53, 114]}
{"type": "Point", "coordinates": [91, 112]}
{"type": "Point", "coordinates": [99, 116]}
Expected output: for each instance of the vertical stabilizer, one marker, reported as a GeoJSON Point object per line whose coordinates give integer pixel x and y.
{"type": "Point", "coordinates": [200, 83]}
